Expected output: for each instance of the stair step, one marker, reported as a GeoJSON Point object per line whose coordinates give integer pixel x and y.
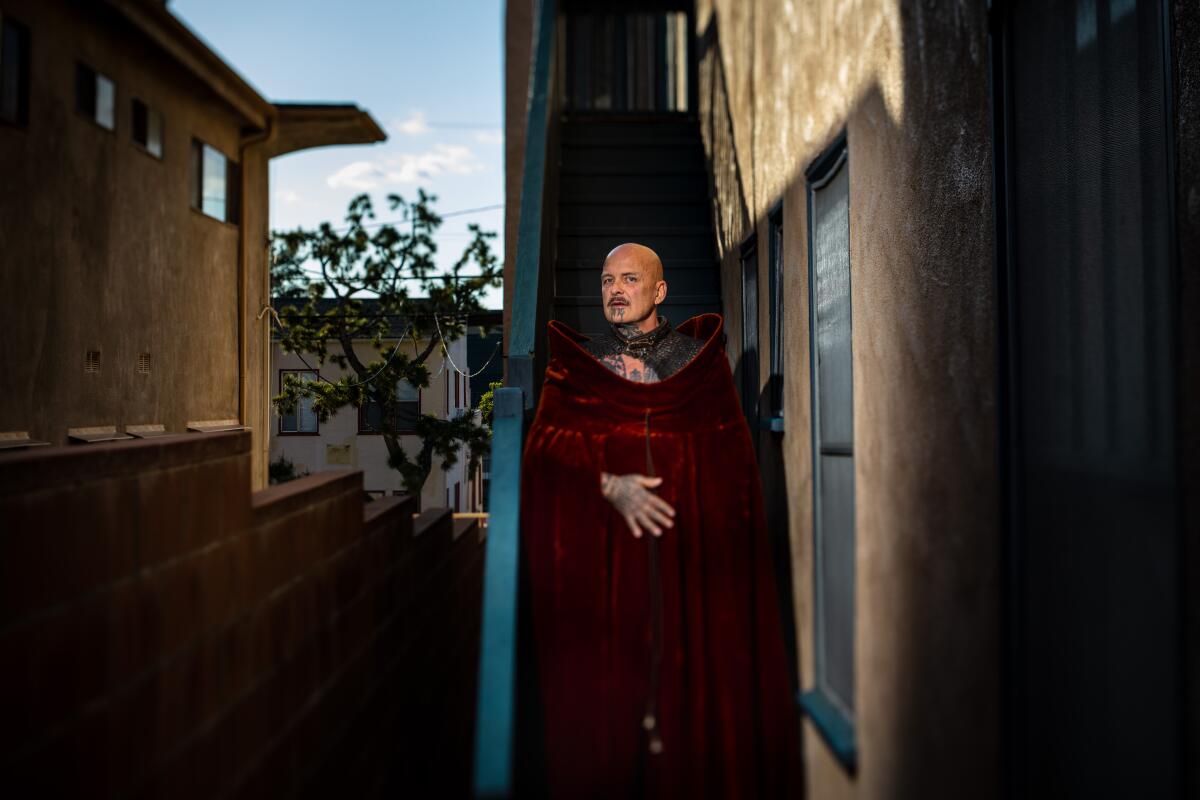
{"type": "Point", "coordinates": [624, 215]}
{"type": "Point", "coordinates": [637, 141]}
{"type": "Point", "coordinates": [700, 231]}
{"type": "Point", "coordinates": [633, 188]}
{"type": "Point", "coordinates": [627, 170]}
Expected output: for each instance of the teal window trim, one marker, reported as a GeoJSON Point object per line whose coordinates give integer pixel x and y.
{"type": "Point", "coordinates": [835, 727]}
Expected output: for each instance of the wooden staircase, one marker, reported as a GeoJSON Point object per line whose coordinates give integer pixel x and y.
{"type": "Point", "coordinates": [633, 180]}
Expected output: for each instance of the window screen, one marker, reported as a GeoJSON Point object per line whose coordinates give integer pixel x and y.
{"type": "Point", "coordinates": [833, 433]}
{"type": "Point", "coordinates": [302, 418]}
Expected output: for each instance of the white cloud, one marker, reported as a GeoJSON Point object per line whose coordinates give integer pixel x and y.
{"type": "Point", "coordinates": [406, 168]}
{"type": "Point", "coordinates": [490, 137]}
{"type": "Point", "coordinates": [415, 125]}
{"type": "Point", "coordinates": [287, 196]}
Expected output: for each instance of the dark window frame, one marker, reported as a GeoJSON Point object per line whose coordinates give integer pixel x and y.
{"type": "Point", "coordinates": [365, 430]}
{"type": "Point", "coordinates": [20, 119]}
{"type": "Point", "coordinates": [835, 723]}
{"type": "Point", "coordinates": [233, 182]}
{"type": "Point", "coordinates": [144, 128]}
{"type": "Point", "coordinates": [776, 315]}
{"type": "Point", "coordinates": [86, 96]}
{"type": "Point", "coordinates": [751, 335]}
{"type": "Point", "coordinates": [279, 427]}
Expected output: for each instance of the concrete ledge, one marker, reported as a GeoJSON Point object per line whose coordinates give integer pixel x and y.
{"type": "Point", "coordinates": [432, 519]}
{"type": "Point", "coordinates": [387, 509]}
{"type": "Point", "coordinates": [25, 471]}
{"type": "Point", "coordinates": [284, 498]}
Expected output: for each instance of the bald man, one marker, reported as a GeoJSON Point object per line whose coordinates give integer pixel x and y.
{"type": "Point", "coordinates": [639, 345]}
{"type": "Point", "coordinates": [642, 347]}
{"type": "Point", "coordinates": [660, 661]}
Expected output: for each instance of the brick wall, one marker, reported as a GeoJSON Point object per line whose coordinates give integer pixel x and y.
{"type": "Point", "coordinates": [166, 632]}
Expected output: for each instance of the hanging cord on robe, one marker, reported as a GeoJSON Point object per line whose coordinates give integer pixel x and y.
{"type": "Point", "coordinates": [650, 720]}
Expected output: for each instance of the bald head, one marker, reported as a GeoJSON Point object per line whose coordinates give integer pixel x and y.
{"type": "Point", "coordinates": [637, 254]}
{"type": "Point", "coordinates": [632, 286]}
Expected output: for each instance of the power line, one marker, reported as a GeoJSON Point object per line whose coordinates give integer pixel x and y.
{"type": "Point", "coordinates": [459, 213]}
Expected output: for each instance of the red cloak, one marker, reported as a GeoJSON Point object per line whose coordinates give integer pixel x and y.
{"type": "Point", "coordinates": [724, 707]}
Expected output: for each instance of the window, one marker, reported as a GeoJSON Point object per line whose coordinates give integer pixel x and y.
{"type": "Point", "coordinates": [408, 409]}
{"type": "Point", "coordinates": [96, 96]}
{"type": "Point", "coordinates": [14, 72]}
{"type": "Point", "coordinates": [147, 128]}
{"type": "Point", "coordinates": [633, 61]}
{"type": "Point", "coordinates": [775, 298]}
{"type": "Point", "coordinates": [831, 702]}
{"type": "Point", "coordinates": [302, 418]}
{"type": "Point", "coordinates": [749, 359]}
{"type": "Point", "coordinates": [215, 182]}
{"type": "Point", "coordinates": [457, 390]}
{"type": "Point", "coordinates": [457, 496]}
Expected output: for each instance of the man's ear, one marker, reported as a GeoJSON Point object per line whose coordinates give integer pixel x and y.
{"type": "Point", "coordinates": [660, 292]}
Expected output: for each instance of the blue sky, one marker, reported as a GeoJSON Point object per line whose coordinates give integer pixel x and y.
{"type": "Point", "coordinates": [429, 72]}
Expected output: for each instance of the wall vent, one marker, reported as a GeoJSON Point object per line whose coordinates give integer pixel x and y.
{"type": "Point", "coordinates": [144, 364]}
{"type": "Point", "coordinates": [91, 361]}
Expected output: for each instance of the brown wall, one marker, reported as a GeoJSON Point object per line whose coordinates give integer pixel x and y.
{"type": "Point", "coordinates": [100, 250]}
{"type": "Point", "coordinates": [165, 632]}
{"type": "Point", "coordinates": [908, 82]}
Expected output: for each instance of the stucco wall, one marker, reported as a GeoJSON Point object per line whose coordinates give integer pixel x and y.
{"type": "Point", "coordinates": [778, 81]}
{"type": "Point", "coordinates": [367, 452]}
{"type": "Point", "coordinates": [99, 247]}
{"type": "Point", "coordinates": [102, 251]}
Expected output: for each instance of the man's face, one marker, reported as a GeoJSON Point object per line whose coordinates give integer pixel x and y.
{"type": "Point", "coordinates": [629, 291]}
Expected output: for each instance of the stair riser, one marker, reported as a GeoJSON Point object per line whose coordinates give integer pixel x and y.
{"type": "Point", "coordinates": [646, 215]}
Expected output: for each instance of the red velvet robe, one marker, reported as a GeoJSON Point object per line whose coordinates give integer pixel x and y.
{"type": "Point", "coordinates": [724, 710]}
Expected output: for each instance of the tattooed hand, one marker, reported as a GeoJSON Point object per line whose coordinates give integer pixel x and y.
{"type": "Point", "coordinates": [641, 508]}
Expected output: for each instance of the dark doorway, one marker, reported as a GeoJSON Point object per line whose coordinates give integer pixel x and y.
{"type": "Point", "coordinates": [1092, 682]}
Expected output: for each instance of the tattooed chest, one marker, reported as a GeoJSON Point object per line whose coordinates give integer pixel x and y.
{"type": "Point", "coordinates": [630, 368]}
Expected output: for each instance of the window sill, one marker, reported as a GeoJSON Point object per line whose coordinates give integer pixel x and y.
{"type": "Point", "coordinates": [772, 424]}
{"type": "Point", "coordinates": [835, 729]}
{"type": "Point", "coordinates": [299, 433]}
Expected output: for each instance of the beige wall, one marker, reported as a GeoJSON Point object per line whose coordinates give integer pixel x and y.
{"type": "Point", "coordinates": [367, 452]}
{"type": "Point", "coordinates": [99, 247]}
{"type": "Point", "coordinates": [908, 82]}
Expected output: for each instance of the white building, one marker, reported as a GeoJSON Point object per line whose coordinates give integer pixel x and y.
{"type": "Point", "coordinates": [347, 441]}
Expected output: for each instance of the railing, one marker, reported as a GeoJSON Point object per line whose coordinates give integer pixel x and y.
{"type": "Point", "coordinates": [495, 708]}
{"type": "Point", "coordinates": [527, 308]}
{"type": "Point", "coordinates": [496, 703]}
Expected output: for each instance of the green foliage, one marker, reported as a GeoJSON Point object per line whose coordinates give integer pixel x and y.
{"type": "Point", "coordinates": [486, 404]}
{"type": "Point", "coordinates": [282, 470]}
{"type": "Point", "coordinates": [389, 264]}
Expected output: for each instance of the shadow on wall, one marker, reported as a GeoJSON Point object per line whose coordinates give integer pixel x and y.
{"type": "Point", "coordinates": [924, 359]}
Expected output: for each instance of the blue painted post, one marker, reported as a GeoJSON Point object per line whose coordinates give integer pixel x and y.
{"type": "Point", "coordinates": [533, 180]}
{"type": "Point", "coordinates": [495, 706]}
